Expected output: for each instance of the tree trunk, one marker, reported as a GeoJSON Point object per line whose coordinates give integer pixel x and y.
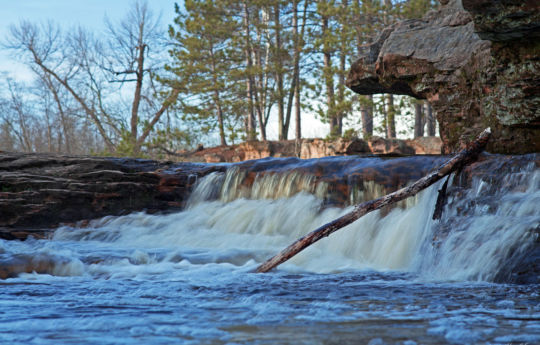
{"type": "Point", "coordinates": [260, 82]}
{"type": "Point", "coordinates": [217, 101]}
{"type": "Point", "coordinates": [418, 119]}
{"type": "Point", "coordinates": [251, 122]}
{"type": "Point", "coordinates": [221, 126]}
{"type": "Point", "coordinates": [137, 95]}
{"type": "Point", "coordinates": [296, 65]}
{"type": "Point", "coordinates": [464, 157]}
{"type": "Point", "coordinates": [390, 116]}
{"type": "Point", "coordinates": [279, 76]}
{"type": "Point", "coordinates": [297, 112]}
{"type": "Point", "coordinates": [329, 79]}
{"type": "Point", "coordinates": [430, 120]}
{"type": "Point", "coordinates": [49, 133]}
{"type": "Point", "coordinates": [367, 117]}
{"type": "Point", "coordinates": [343, 53]}
{"type": "Point", "coordinates": [366, 105]}
{"type": "Point", "coordinates": [297, 50]}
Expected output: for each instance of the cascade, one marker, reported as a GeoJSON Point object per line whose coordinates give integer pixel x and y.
{"type": "Point", "coordinates": [240, 216]}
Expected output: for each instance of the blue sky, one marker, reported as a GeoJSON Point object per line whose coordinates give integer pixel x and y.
{"type": "Point", "coordinates": [89, 13]}
{"type": "Point", "coordinates": [67, 13]}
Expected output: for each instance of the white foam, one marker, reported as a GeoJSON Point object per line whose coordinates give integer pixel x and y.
{"type": "Point", "coordinates": [237, 230]}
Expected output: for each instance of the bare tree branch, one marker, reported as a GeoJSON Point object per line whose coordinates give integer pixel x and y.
{"type": "Point", "coordinates": [461, 159]}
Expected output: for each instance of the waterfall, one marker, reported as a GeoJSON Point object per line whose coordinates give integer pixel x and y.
{"type": "Point", "coordinates": [245, 215]}
{"type": "Point", "coordinates": [482, 228]}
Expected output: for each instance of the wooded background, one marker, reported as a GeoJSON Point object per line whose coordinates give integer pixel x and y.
{"type": "Point", "coordinates": [216, 76]}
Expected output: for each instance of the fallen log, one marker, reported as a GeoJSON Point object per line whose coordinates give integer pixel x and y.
{"type": "Point", "coordinates": [464, 157]}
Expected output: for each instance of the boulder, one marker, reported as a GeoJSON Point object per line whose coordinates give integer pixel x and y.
{"type": "Point", "coordinates": [477, 65]}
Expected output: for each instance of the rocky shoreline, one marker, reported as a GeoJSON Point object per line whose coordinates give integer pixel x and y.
{"type": "Point", "coordinates": [39, 192]}
{"type": "Point", "coordinates": [313, 148]}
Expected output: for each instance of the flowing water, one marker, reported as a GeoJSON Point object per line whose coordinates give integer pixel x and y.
{"type": "Point", "coordinates": [392, 277]}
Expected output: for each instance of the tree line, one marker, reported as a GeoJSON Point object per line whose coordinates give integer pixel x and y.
{"type": "Point", "coordinates": [221, 70]}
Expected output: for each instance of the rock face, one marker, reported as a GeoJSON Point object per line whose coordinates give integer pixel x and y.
{"type": "Point", "coordinates": [39, 192]}
{"type": "Point", "coordinates": [505, 20]}
{"type": "Point", "coordinates": [476, 61]}
{"type": "Point", "coordinates": [425, 145]}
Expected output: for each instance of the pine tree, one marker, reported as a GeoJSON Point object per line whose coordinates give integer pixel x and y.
{"type": "Point", "coordinates": [365, 24]}
{"type": "Point", "coordinates": [202, 61]}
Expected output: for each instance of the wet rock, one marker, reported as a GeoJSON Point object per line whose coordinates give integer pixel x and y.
{"type": "Point", "coordinates": [478, 66]}
{"type": "Point", "coordinates": [523, 267]}
{"type": "Point", "coordinates": [35, 198]}
{"type": "Point", "coordinates": [40, 191]}
{"type": "Point", "coordinates": [521, 263]}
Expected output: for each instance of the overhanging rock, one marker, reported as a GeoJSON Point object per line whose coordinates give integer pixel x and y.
{"type": "Point", "coordinates": [472, 83]}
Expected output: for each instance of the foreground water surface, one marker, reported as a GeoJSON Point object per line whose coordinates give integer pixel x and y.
{"type": "Point", "coordinates": [390, 278]}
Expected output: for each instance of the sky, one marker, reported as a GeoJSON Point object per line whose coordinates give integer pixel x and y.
{"type": "Point", "coordinates": [67, 13]}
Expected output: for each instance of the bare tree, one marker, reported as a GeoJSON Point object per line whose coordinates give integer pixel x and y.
{"type": "Point", "coordinates": [18, 117]}
{"type": "Point", "coordinates": [134, 50]}
{"type": "Point", "coordinates": [96, 73]}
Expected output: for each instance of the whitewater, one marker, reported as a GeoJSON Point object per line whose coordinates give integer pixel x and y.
{"type": "Point", "coordinates": [395, 276]}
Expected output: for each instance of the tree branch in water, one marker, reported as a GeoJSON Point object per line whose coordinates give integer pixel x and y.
{"type": "Point", "coordinates": [462, 158]}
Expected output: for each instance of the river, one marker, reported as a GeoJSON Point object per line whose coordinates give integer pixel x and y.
{"type": "Point", "coordinates": [393, 277]}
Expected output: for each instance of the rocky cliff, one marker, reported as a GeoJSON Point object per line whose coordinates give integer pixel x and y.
{"type": "Point", "coordinates": [476, 61]}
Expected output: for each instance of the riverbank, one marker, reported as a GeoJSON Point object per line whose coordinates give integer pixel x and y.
{"type": "Point", "coordinates": [312, 148]}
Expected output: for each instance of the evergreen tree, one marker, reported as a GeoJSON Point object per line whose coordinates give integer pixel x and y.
{"type": "Point", "coordinates": [202, 61]}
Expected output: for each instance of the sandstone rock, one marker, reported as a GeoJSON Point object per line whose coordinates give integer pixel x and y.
{"type": "Point", "coordinates": [426, 145]}
{"type": "Point", "coordinates": [305, 149]}
{"type": "Point", "coordinates": [471, 83]}
{"type": "Point", "coordinates": [313, 148]}
{"type": "Point", "coordinates": [380, 145]}
{"type": "Point", "coordinates": [38, 192]}
{"type": "Point", "coordinates": [214, 158]}
{"type": "Point", "coordinates": [318, 148]}
{"type": "Point", "coordinates": [256, 149]}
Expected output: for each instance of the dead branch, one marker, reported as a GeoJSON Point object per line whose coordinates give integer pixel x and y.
{"type": "Point", "coordinates": [464, 157]}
